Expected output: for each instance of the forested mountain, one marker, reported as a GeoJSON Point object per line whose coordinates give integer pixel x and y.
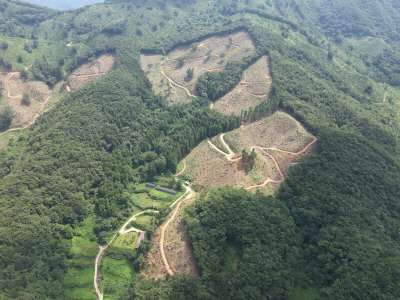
{"type": "Point", "coordinates": [331, 231]}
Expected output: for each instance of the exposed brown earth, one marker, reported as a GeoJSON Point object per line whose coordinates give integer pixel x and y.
{"type": "Point", "coordinates": [279, 130]}
{"type": "Point", "coordinates": [14, 88]}
{"type": "Point", "coordinates": [177, 247]}
{"type": "Point", "coordinates": [170, 251]}
{"type": "Point", "coordinates": [278, 141]}
{"type": "Point", "coordinates": [211, 54]}
{"type": "Point", "coordinates": [252, 90]}
{"type": "Point", "coordinates": [163, 251]}
{"type": "Point", "coordinates": [41, 95]}
{"type": "Point", "coordinates": [91, 70]}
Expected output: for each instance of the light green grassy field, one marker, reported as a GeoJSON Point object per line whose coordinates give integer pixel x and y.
{"type": "Point", "coordinates": [126, 241]}
{"type": "Point", "coordinates": [78, 281]}
{"type": "Point", "coordinates": [116, 276]}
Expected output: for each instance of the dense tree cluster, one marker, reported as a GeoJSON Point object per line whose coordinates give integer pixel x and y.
{"type": "Point", "coordinates": [16, 15]}
{"type": "Point", "coordinates": [6, 115]}
{"type": "Point", "coordinates": [213, 85]}
{"type": "Point", "coordinates": [248, 159]}
{"type": "Point", "coordinates": [47, 72]}
{"type": "Point", "coordinates": [345, 201]}
{"type": "Point", "coordinates": [86, 152]}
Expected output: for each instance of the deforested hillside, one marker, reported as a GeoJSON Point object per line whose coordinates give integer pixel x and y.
{"type": "Point", "coordinates": [228, 149]}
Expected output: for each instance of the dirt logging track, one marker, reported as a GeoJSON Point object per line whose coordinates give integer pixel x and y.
{"type": "Point", "coordinates": [41, 96]}
{"type": "Point", "coordinates": [169, 76]}
{"type": "Point", "coordinates": [278, 141]}
{"type": "Point", "coordinates": [170, 251]}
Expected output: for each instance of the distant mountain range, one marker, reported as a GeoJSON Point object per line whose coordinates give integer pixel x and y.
{"type": "Point", "coordinates": [64, 4]}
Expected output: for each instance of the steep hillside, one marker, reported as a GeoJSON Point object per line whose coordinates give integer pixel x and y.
{"type": "Point", "coordinates": [71, 180]}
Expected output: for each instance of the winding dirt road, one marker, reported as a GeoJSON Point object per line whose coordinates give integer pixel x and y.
{"type": "Point", "coordinates": [99, 256]}
{"type": "Point", "coordinates": [231, 154]}
{"type": "Point", "coordinates": [34, 119]}
{"type": "Point", "coordinates": [190, 193]}
{"type": "Point", "coordinates": [183, 170]}
{"type": "Point", "coordinates": [268, 180]}
{"type": "Point", "coordinates": [170, 82]}
{"type": "Point", "coordinates": [294, 153]}
{"type": "Point", "coordinates": [173, 82]}
{"type": "Point", "coordinates": [88, 75]}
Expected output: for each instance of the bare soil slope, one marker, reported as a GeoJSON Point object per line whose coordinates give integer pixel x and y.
{"type": "Point", "coordinates": [169, 73]}
{"type": "Point", "coordinates": [209, 168]}
{"type": "Point", "coordinates": [14, 88]}
{"type": "Point", "coordinates": [251, 91]}
{"type": "Point", "coordinates": [279, 130]}
{"type": "Point", "coordinates": [91, 70]}
{"type": "Point", "coordinates": [41, 96]}
{"type": "Point", "coordinates": [177, 249]}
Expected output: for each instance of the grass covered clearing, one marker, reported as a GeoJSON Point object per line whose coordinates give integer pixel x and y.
{"type": "Point", "coordinates": [126, 241]}
{"type": "Point", "coordinates": [143, 222]}
{"type": "Point", "coordinates": [153, 199]}
{"type": "Point", "coordinates": [142, 201]}
{"type": "Point", "coordinates": [255, 176]}
{"type": "Point", "coordinates": [10, 137]}
{"type": "Point", "coordinates": [116, 277]}
{"type": "Point", "coordinates": [78, 282]}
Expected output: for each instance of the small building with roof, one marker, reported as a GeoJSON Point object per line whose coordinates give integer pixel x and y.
{"type": "Point", "coordinates": [165, 190]}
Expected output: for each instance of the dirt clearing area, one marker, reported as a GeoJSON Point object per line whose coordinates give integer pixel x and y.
{"type": "Point", "coordinates": [279, 130]}
{"type": "Point", "coordinates": [91, 70]}
{"type": "Point", "coordinates": [276, 140]}
{"type": "Point", "coordinates": [169, 74]}
{"type": "Point", "coordinates": [14, 88]}
{"type": "Point", "coordinates": [177, 249]}
{"type": "Point", "coordinates": [252, 90]}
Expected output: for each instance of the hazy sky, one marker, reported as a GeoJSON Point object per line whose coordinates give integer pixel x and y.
{"type": "Point", "coordinates": [64, 4]}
